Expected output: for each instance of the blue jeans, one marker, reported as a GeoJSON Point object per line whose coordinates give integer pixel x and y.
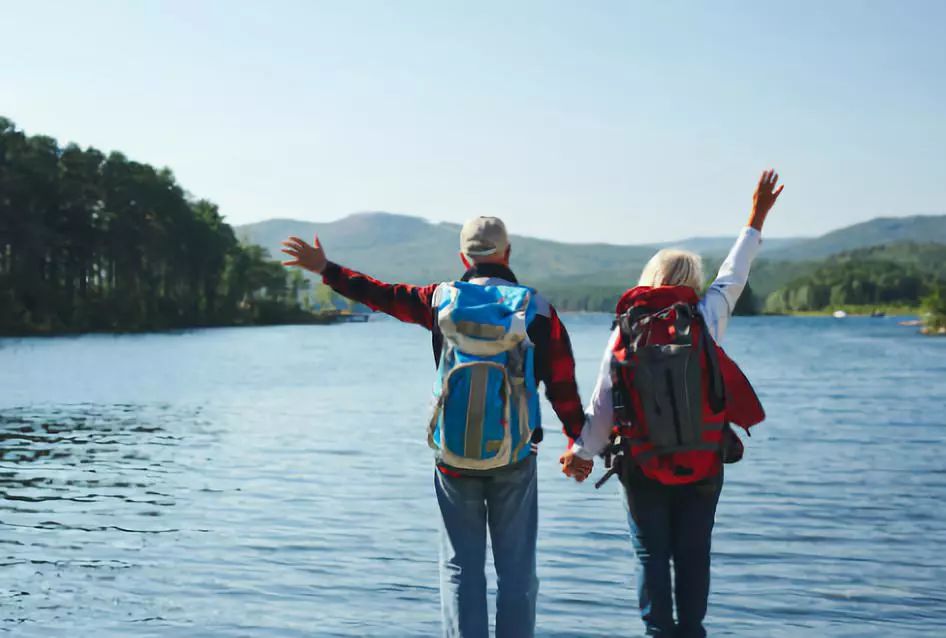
{"type": "Point", "coordinates": [506, 502]}
{"type": "Point", "coordinates": [672, 523]}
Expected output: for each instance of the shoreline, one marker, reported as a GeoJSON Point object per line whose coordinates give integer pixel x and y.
{"type": "Point", "coordinates": [854, 311]}
{"type": "Point", "coordinates": [314, 319]}
{"type": "Point", "coordinates": [344, 316]}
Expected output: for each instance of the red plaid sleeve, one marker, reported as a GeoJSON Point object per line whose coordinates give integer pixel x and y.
{"type": "Point", "coordinates": [411, 304]}
{"type": "Point", "coordinates": [561, 389]}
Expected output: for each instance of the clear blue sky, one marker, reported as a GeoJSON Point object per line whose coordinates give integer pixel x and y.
{"type": "Point", "coordinates": [579, 121]}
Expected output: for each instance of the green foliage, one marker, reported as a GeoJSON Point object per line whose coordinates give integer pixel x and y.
{"type": "Point", "coordinates": [326, 298]}
{"type": "Point", "coordinates": [747, 304]}
{"type": "Point", "coordinates": [934, 309]}
{"type": "Point", "coordinates": [582, 298]}
{"type": "Point", "coordinates": [96, 242]}
{"type": "Point", "coordinates": [892, 274]}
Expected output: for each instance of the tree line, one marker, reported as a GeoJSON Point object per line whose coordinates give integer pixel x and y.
{"type": "Point", "coordinates": [593, 298]}
{"type": "Point", "coordinates": [95, 241]}
{"type": "Point", "coordinates": [890, 275]}
{"type": "Point", "coordinates": [933, 307]}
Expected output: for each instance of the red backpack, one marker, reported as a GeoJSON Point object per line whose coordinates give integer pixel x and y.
{"type": "Point", "coordinates": [674, 390]}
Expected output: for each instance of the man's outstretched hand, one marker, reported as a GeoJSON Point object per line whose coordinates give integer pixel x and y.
{"type": "Point", "coordinates": [575, 466]}
{"type": "Point", "coordinates": [312, 258]}
{"type": "Point", "coordinates": [764, 198]}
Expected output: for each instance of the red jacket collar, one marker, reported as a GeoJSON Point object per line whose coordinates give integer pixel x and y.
{"type": "Point", "coordinates": [656, 297]}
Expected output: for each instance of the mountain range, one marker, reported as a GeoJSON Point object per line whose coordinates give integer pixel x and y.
{"type": "Point", "coordinates": [410, 249]}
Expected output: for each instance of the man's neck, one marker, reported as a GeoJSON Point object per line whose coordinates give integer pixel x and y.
{"type": "Point", "coordinates": [490, 269]}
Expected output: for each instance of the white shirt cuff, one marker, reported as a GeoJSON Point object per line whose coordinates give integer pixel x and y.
{"type": "Point", "coordinates": [749, 231]}
{"type": "Point", "coordinates": [581, 452]}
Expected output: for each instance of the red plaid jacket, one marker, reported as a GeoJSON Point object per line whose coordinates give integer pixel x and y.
{"type": "Point", "coordinates": [554, 361]}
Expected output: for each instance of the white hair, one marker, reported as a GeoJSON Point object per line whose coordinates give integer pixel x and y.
{"type": "Point", "coordinates": [673, 267]}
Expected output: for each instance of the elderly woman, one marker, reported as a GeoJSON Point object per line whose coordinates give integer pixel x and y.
{"type": "Point", "coordinates": [669, 393]}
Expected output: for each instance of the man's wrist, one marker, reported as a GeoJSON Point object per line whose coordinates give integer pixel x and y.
{"type": "Point", "coordinates": [329, 269]}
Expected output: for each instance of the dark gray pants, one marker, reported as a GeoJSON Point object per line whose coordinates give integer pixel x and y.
{"type": "Point", "coordinates": [672, 523]}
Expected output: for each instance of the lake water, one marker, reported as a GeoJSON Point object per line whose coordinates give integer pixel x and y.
{"type": "Point", "coordinates": [276, 482]}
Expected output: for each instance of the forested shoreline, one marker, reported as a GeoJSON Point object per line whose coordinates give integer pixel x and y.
{"type": "Point", "coordinates": [902, 274]}
{"type": "Point", "coordinates": [934, 312]}
{"type": "Point", "coordinates": [97, 242]}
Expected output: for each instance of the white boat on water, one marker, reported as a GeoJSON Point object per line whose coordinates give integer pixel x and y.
{"type": "Point", "coordinates": [839, 314]}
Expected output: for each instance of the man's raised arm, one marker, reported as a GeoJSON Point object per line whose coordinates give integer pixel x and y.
{"type": "Point", "coordinates": [411, 304]}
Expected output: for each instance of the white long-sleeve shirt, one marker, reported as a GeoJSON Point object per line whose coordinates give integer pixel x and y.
{"type": "Point", "coordinates": [716, 306]}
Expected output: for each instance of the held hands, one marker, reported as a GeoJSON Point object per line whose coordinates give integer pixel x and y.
{"type": "Point", "coordinates": [312, 258]}
{"type": "Point", "coordinates": [575, 466]}
{"type": "Point", "coordinates": [764, 198]}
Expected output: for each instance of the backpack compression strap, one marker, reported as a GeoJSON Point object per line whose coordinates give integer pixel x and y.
{"type": "Point", "coordinates": [717, 393]}
{"type": "Point", "coordinates": [635, 322]}
{"type": "Point", "coordinates": [482, 339]}
{"type": "Point", "coordinates": [455, 460]}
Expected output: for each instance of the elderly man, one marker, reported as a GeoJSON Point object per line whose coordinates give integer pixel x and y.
{"type": "Point", "coordinates": [494, 341]}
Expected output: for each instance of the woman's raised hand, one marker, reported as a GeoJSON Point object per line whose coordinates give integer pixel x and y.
{"type": "Point", "coordinates": [312, 258]}
{"type": "Point", "coordinates": [764, 198]}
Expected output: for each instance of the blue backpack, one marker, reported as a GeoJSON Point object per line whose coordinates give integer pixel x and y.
{"type": "Point", "coordinates": [486, 400]}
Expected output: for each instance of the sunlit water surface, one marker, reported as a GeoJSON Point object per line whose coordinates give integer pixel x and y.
{"type": "Point", "coordinates": [276, 482]}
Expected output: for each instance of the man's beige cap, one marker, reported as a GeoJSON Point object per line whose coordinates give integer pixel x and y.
{"type": "Point", "coordinates": [483, 236]}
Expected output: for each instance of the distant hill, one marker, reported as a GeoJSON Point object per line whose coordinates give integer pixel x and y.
{"type": "Point", "coordinates": [417, 251]}
{"type": "Point", "coordinates": [575, 276]}
{"type": "Point", "coordinates": [882, 230]}
{"type": "Point", "coordinates": [929, 256]}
